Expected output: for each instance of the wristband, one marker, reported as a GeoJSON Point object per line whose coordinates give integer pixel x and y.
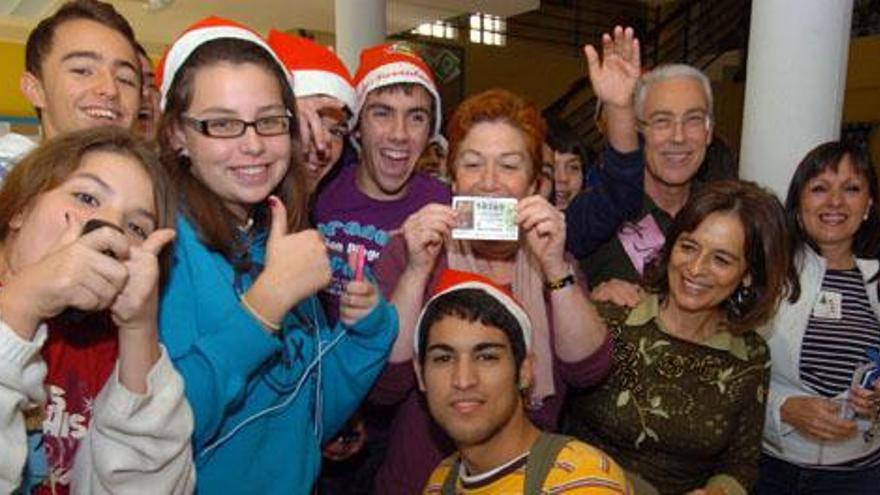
{"type": "Point", "coordinates": [262, 319]}
{"type": "Point", "coordinates": [561, 283]}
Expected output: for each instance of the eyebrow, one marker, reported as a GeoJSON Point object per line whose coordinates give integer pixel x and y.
{"type": "Point", "coordinates": [384, 106]}
{"type": "Point", "coordinates": [489, 346]}
{"type": "Point", "coordinates": [97, 57]}
{"type": "Point", "coordinates": [109, 190]}
{"type": "Point", "coordinates": [379, 106]}
{"type": "Point", "coordinates": [234, 113]}
{"type": "Point", "coordinates": [686, 112]}
{"type": "Point", "coordinates": [690, 238]}
{"type": "Point", "coordinates": [482, 346]}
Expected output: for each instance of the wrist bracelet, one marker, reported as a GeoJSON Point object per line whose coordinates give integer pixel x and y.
{"type": "Point", "coordinates": [262, 319]}
{"type": "Point", "coordinates": [561, 283]}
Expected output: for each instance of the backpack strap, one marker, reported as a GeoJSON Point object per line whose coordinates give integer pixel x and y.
{"type": "Point", "coordinates": [542, 458]}
{"type": "Point", "coordinates": [451, 480]}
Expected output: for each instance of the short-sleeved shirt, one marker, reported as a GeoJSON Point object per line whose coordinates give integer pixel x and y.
{"type": "Point", "coordinates": [579, 468]}
{"type": "Point", "coordinates": [346, 217]}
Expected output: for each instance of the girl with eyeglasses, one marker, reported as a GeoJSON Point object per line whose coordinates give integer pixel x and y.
{"type": "Point", "coordinates": [268, 379]}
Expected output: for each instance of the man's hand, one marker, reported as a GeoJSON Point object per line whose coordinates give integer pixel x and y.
{"type": "Point", "coordinates": [619, 292]}
{"type": "Point", "coordinates": [614, 76]}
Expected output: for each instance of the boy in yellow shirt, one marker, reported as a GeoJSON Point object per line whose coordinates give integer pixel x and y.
{"type": "Point", "coordinates": [473, 364]}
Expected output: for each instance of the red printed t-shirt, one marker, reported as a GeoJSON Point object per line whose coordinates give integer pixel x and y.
{"type": "Point", "coordinates": [80, 358]}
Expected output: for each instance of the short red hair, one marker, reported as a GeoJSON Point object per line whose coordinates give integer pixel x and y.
{"type": "Point", "coordinates": [498, 105]}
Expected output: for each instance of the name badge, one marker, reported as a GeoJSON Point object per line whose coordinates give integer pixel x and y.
{"type": "Point", "coordinates": [829, 305]}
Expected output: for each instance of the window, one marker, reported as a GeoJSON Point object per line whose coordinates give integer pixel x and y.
{"type": "Point", "coordinates": [437, 29]}
{"type": "Point", "coordinates": [488, 29]}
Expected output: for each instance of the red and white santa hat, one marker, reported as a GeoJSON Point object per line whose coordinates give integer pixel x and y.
{"type": "Point", "coordinates": [314, 69]}
{"type": "Point", "coordinates": [203, 31]}
{"type": "Point", "coordinates": [456, 280]}
{"type": "Point", "coordinates": [393, 63]}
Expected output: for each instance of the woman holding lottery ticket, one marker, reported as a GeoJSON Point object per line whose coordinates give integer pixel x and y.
{"type": "Point", "coordinates": [500, 227]}
{"type": "Point", "coordinates": [821, 417]}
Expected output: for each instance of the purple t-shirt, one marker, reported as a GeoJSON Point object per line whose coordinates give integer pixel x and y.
{"type": "Point", "coordinates": [347, 217]}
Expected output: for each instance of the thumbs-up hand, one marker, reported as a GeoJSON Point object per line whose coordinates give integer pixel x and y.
{"type": "Point", "coordinates": [136, 305]}
{"type": "Point", "coordinates": [297, 266]}
{"type": "Point", "coordinates": [75, 273]}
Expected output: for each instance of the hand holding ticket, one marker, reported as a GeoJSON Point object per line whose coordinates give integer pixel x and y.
{"type": "Point", "coordinates": [480, 218]}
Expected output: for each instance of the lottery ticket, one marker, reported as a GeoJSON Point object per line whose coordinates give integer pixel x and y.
{"type": "Point", "coordinates": [485, 218]}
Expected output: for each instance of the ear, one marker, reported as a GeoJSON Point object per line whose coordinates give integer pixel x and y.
{"type": "Point", "coordinates": [747, 280]}
{"type": "Point", "coordinates": [178, 139]}
{"type": "Point", "coordinates": [710, 130]}
{"type": "Point", "coordinates": [32, 89]}
{"type": "Point", "coordinates": [16, 221]}
{"type": "Point", "coordinates": [526, 373]}
{"type": "Point", "coordinates": [418, 369]}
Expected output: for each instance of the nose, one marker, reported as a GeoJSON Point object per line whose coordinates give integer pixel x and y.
{"type": "Point", "coordinates": [464, 374]}
{"type": "Point", "coordinates": [399, 130]}
{"type": "Point", "coordinates": [678, 130]}
{"type": "Point", "coordinates": [560, 174]}
{"type": "Point", "coordinates": [106, 84]}
{"type": "Point", "coordinates": [835, 197]}
{"type": "Point", "coordinates": [251, 142]}
{"type": "Point", "coordinates": [697, 264]}
{"type": "Point", "coordinates": [489, 178]}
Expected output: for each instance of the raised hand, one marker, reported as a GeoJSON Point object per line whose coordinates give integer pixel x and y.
{"type": "Point", "coordinates": [544, 228]}
{"type": "Point", "coordinates": [136, 305]}
{"type": "Point", "coordinates": [76, 274]}
{"type": "Point", "coordinates": [310, 127]}
{"type": "Point", "coordinates": [614, 76]}
{"type": "Point", "coordinates": [297, 266]}
{"type": "Point", "coordinates": [425, 231]}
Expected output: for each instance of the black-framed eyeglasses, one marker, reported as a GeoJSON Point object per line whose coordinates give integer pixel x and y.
{"type": "Point", "coordinates": [227, 127]}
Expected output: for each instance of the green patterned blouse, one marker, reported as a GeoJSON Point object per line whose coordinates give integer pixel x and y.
{"type": "Point", "coordinates": [681, 415]}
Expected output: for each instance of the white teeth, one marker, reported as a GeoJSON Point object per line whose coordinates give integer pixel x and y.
{"type": "Point", "coordinates": [395, 155]}
{"type": "Point", "coordinates": [101, 113]}
{"type": "Point", "coordinates": [693, 285]}
{"type": "Point", "coordinates": [832, 218]}
{"type": "Point", "coordinates": [254, 170]}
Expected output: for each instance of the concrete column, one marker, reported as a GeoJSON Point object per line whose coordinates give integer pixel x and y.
{"type": "Point", "coordinates": [795, 81]}
{"type": "Point", "coordinates": [359, 24]}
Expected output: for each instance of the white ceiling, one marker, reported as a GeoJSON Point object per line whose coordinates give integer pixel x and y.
{"type": "Point", "coordinates": [156, 28]}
